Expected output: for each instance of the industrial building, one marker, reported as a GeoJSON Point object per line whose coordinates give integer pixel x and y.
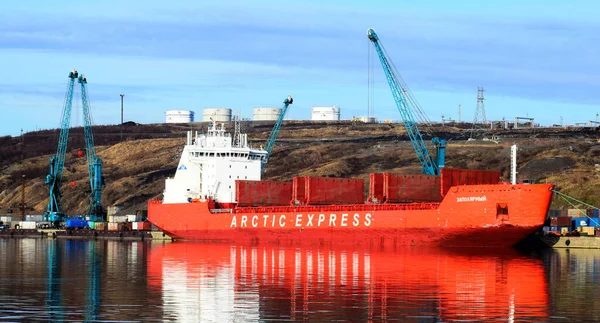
{"type": "Point", "coordinates": [216, 114]}
{"type": "Point", "coordinates": [325, 113]}
{"type": "Point", "coordinates": [266, 114]}
{"type": "Point", "coordinates": [179, 116]}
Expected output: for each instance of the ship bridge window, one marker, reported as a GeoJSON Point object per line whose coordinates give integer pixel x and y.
{"type": "Point", "coordinates": [502, 212]}
{"type": "Point", "coordinates": [211, 155]}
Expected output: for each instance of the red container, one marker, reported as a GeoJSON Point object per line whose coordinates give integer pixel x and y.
{"type": "Point", "coordinates": [299, 190]}
{"type": "Point", "coordinates": [327, 190]}
{"type": "Point", "coordinates": [262, 193]}
{"type": "Point", "coordinates": [142, 226]}
{"type": "Point", "coordinates": [454, 177]}
{"type": "Point", "coordinates": [563, 221]}
{"type": "Point", "coordinates": [411, 188]}
{"type": "Point", "coordinates": [376, 188]}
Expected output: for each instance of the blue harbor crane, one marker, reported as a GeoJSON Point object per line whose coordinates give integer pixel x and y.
{"type": "Point", "coordinates": [95, 210]}
{"type": "Point", "coordinates": [275, 132]}
{"type": "Point", "coordinates": [408, 106]}
{"type": "Point", "coordinates": [54, 212]}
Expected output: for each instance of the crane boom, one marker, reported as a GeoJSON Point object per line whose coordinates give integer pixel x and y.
{"type": "Point", "coordinates": [406, 106]}
{"type": "Point", "coordinates": [275, 132]}
{"type": "Point", "coordinates": [95, 210]}
{"type": "Point", "coordinates": [57, 162]}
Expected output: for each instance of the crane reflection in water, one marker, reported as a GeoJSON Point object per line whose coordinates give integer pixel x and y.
{"type": "Point", "coordinates": [248, 283]}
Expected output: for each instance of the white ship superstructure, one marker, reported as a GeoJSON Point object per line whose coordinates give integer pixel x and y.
{"type": "Point", "coordinates": [209, 165]}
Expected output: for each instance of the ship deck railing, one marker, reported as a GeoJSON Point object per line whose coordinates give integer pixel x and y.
{"type": "Point", "coordinates": [335, 208]}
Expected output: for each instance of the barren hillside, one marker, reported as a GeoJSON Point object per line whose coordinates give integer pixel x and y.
{"type": "Point", "coordinates": [135, 167]}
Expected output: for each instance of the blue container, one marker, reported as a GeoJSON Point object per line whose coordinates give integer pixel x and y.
{"type": "Point", "coordinates": [596, 213]}
{"type": "Point", "coordinates": [580, 222]}
{"type": "Point", "coordinates": [594, 222]}
{"type": "Point", "coordinates": [76, 224]}
{"type": "Point", "coordinates": [554, 229]}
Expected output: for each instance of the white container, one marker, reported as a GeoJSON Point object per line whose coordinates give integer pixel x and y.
{"type": "Point", "coordinates": [325, 113]}
{"type": "Point", "coordinates": [112, 210]}
{"type": "Point", "coordinates": [179, 116]}
{"type": "Point", "coordinates": [6, 219]}
{"type": "Point", "coordinates": [27, 225]}
{"type": "Point", "coordinates": [266, 114]}
{"type": "Point", "coordinates": [134, 226]}
{"type": "Point", "coordinates": [216, 114]}
{"type": "Point", "coordinates": [117, 218]}
{"type": "Point", "coordinates": [134, 218]}
{"type": "Point", "coordinates": [34, 218]}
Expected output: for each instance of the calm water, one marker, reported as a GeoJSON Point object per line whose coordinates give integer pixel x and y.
{"type": "Point", "coordinates": [58, 280]}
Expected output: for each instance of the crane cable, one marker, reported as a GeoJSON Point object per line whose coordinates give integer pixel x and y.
{"type": "Point", "coordinates": [568, 199]}
{"type": "Point", "coordinates": [410, 100]}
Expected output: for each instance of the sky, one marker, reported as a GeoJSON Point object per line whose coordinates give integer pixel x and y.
{"type": "Point", "coordinates": [539, 59]}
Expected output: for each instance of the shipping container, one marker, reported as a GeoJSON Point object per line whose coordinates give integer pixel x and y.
{"type": "Point", "coordinates": [117, 218]}
{"type": "Point", "coordinates": [553, 213]}
{"type": "Point", "coordinates": [34, 218]}
{"type": "Point", "coordinates": [564, 230]}
{"type": "Point", "coordinates": [112, 210]}
{"type": "Point", "coordinates": [27, 225]}
{"type": "Point", "coordinates": [76, 224]}
{"type": "Point", "coordinates": [589, 212]}
{"type": "Point", "coordinates": [454, 177]}
{"type": "Point", "coordinates": [113, 226]}
{"type": "Point", "coordinates": [594, 222]}
{"type": "Point", "coordinates": [133, 218]}
{"type": "Point", "coordinates": [91, 224]}
{"type": "Point", "coordinates": [328, 190]}
{"type": "Point", "coordinates": [596, 213]}
{"type": "Point", "coordinates": [376, 188]}
{"type": "Point", "coordinates": [299, 190]}
{"type": "Point", "coordinates": [263, 193]}
{"type": "Point", "coordinates": [579, 222]}
{"type": "Point", "coordinates": [411, 188]}
{"type": "Point", "coordinates": [6, 219]}
{"type": "Point", "coordinates": [143, 214]}
{"type": "Point", "coordinates": [141, 226]}
{"type": "Point", "coordinates": [552, 228]}
{"type": "Point", "coordinates": [590, 231]}
{"type": "Point", "coordinates": [100, 226]}
{"type": "Point", "coordinates": [561, 221]}
{"type": "Point", "coordinates": [575, 213]}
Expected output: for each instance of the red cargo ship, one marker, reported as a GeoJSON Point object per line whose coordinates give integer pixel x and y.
{"type": "Point", "coordinates": [217, 195]}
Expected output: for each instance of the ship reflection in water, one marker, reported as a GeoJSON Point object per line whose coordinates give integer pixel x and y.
{"type": "Point", "coordinates": [223, 283]}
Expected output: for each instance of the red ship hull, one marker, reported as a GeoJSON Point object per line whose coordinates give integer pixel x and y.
{"type": "Point", "coordinates": [498, 215]}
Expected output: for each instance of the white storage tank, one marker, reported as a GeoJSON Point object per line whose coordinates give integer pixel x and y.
{"type": "Point", "coordinates": [216, 114]}
{"type": "Point", "coordinates": [325, 113]}
{"type": "Point", "coordinates": [366, 119]}
{"type": "Point", "coordinates": [266, 114]}
{"type": "Point", "coordinates": [179, 116]}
